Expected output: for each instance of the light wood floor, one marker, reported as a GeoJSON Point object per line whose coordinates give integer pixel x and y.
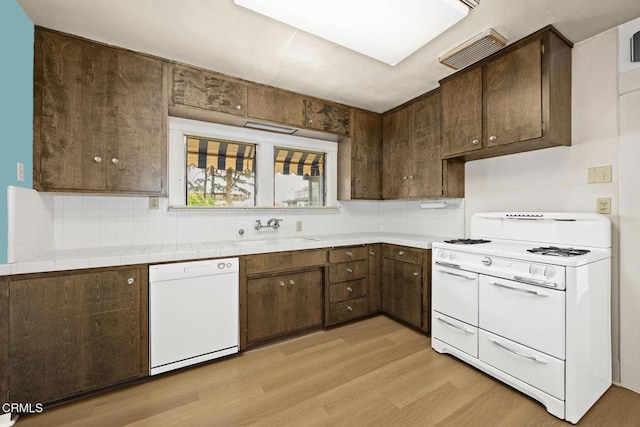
{"type": "Point", "coordinates": [371, 373]}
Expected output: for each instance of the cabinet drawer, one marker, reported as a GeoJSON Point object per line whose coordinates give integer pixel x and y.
{"type": "Point", "coordinates": [347, 254]}
{"type": "Point", "coordinates": [458, 334]}
{"type": "Point", "coordinates": [347, 290]}
{"type": "Point", "coordinates": [455, 293]}
{"type": "Point", "coordinates": [402, 253]}
{"type": "Point", "coordinates": [538, 369]}
{"type": "Point", "coordinates": [346, 310]}
{"type": "Point", "coordinates": [278, 261]}
{"type": "Point", "coordinates": [347, 271]}
{"type": "Point", "coordinates": [530, 315]}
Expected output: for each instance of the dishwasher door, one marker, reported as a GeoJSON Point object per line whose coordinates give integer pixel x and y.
{"type": "Point", "coordinates": [193, 313]}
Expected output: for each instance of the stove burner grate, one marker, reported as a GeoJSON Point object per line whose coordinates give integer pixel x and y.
{"type": "Point", "coordinates": [556, 251]}
{"type": "Point", "coordinates": [467, 241]}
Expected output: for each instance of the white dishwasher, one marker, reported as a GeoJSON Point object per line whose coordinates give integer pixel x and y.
{"type": "Point", "coordinates": [193, 313]}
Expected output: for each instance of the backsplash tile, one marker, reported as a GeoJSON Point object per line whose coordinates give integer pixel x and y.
{"type": "Point", "coordinates": [31, 223]}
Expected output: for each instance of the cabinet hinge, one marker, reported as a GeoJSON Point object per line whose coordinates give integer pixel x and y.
{"type": "Point", "coordinates": [542, 48]}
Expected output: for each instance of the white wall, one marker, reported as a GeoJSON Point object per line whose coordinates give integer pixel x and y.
{"type": "Point", "coordinates": [629, 150]}
{"type": "Point", "coordinates": [408, 217]}
{"type": "Point", "coordinates": [555, 179]}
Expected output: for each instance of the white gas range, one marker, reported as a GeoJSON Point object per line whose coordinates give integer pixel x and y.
{"type": "Point", "coordinates": [528, 300]}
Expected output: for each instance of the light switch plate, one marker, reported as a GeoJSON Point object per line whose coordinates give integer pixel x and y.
{"type": "Point", "coordinates": [20, 171]}
{"type": "Point", "coordinates": [154, 202]}
{"type": "Point", "coordinates": [298, 225]}
{"type": "Point", "coordinates": [599, 174]}
{"type": "Point", "coordinates": [603, 205]}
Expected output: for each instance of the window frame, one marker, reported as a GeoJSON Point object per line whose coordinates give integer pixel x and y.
{"type": "Point", "coordinates": [265, 161]}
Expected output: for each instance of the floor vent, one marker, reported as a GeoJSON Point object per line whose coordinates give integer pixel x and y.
{"type": "Point", "coordinates": [474, 49]}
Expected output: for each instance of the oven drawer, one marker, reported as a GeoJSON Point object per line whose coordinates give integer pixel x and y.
{"type": "Point", "coordinates": [530, 315]}
{"type": "Point", "coordinates": [455, 293]}
{"type": "Point", "coordinates": [537, 369]}
{"type": "Point", "coordinates": [458, 334]}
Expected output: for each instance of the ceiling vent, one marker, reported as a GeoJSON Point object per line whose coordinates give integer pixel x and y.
{"type": "Point", "coordinates": [474, 49]}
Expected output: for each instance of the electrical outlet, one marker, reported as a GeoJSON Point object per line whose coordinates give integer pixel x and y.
{"type": "Point", "coordinates": [154, 202]}
{"type": "Point", "coordinates": [603, 205]}
{"type": "Point", "coordinates": [599, 174]}
{"type": "Point", "coordinates": [20, 168]}
{"type": "Point", "coordinates": [298, 225]}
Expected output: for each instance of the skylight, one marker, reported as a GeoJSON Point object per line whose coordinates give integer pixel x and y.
{"type": "Point", "coordinates": [387, 30]}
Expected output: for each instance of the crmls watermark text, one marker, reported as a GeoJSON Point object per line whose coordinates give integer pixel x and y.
{"type": "Point", "coordinates": [22, 408]}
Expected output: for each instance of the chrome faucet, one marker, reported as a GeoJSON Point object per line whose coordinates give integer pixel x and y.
{"type": "Point", "coordinates": [271, 223]}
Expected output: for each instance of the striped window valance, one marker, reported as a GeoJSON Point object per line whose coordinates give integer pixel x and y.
{"type": "Point", "coordinates": [222, 155]}
{"type": "Point", "coordinates": [298, 162]}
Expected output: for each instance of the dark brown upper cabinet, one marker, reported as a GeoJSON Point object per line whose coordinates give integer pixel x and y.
{"type": "Point", "coordinates": [100, 118]}
{"type": "Point", "coordinates": [517, 100]}
{"type": "Point", "coordinates": [208, 90]}
{"type": "Point", "coordinates": [274, 105]}
{"type": "Point", "coordinates": [326, 117]}
{"type": "Point", "coordinates": [412, 165]}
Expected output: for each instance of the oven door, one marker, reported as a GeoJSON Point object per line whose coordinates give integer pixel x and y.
{"type": "Point", "coordinates": [455, 293]}
{"type": "Point", "coordinates": [530, 315]}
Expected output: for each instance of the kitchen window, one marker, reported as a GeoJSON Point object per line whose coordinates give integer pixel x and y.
{"type": "Point", "coordinates": [299, 178]}
{"type": "Point", "coordinates": [218, 166]}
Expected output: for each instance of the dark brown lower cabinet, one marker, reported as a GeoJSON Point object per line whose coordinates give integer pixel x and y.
{"type": "Point", "coordinates": [4, 340]}
{"type": "Point", "coordinates": [402, 291]}
{"type": "Point", "coordinates": [76, 332]}
{"type": "Point", "coordinates": [375, 278]}
{"type": "Point", "coordinates": [284, 303]}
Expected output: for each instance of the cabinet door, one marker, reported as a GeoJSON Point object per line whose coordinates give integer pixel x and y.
{"type": "Point", "coordinates": [462, 112]}
{"type": "Point", "coordinates": [266, 307]}
{"type": "Point", "coordinates": [274, 105]}
{"type": "Point", "coordinates": [326, 117]}
{"type": "Point", "coordinates": [402, 291]}
{"type": "Point", "coordinates": [4, 338]}
{"type": "Point", "coordinates": [75, 333]}
{"type": "Point", "coordinates": [138, 139]}
{"type": "Point", "coordinates": [396, 159]}
{"type": "Point", "coordinates": [71, 113]}
{"type": "Point", "coordinates": [426, 177]}
{"type": "Point", "coordinates": [366, 161]}
{"type": "Point", "coordinates": [304, 300]}
{"type": "Point", "coordinates": [513, 110]}
{"type": "Point", "coordinates": [202, 89]}
{"type": "Point", "coordinates": [375, 278]}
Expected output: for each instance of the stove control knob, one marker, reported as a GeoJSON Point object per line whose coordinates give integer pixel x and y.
{"type": "Point", "coordinates": [486, 261]}
{"type": "Point", "coordinates": [451, 256]}
{"type": "Point", "coordinates": [443, 254]}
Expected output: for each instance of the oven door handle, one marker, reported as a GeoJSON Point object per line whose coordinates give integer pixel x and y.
{"type": "Point", "coordinates": [451, 325]}
{"type": "Point", "coordinates": [535, 282]}
{"type": "Point", "coordinates": [456, 274]}
{"type": "Point", "coordinates": [526, 291]}
{"type": "Point", "coordinates": [446, 264]}
{"type": "Point", "coordinates": [517, 353]}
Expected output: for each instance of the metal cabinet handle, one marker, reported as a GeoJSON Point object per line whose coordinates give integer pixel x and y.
{"type": "Point", "coordinates": [475, 142]}
{"type": "Point", "coordinates": [451, 325]}
{"type": "Point", "coordinates": [372, 253]}
{"type": "Point", "coordinates": [349, 270]}
{"type": "Point", "coordinates": [349, 308]}
{"type": "Point", "coordinates": [291, 282]}
{"type": "Point", "coordinates": [349, 289]}
{"type": "Point", "coordinates": [404, 177]}
{"type": "Point", "coordinates": [416, 274]}
{"type": "Point", "coordinates": [349, 254]}
{"type": "Point", "coordinates": [310, 121]}
{"type": "Point", "coordinates": [131, 281]}
{"type": "Point", "coordinates": [493, 138]}
{"type": "Point", "coordinates": [115, 161]}
{"type": "Point", "coordinates": [525, 291]}
{"type": "Point", "coordinates": [411, 176]}
{"type": "Point", "coordinates": [97, 159]}
{"type": "Point", "coordinates": [456, 274]}
{"type": "Point", "coordinates": [517, 353]}
{"type": "Point", "coordinates": [401, 253]}
{"type": "Point", "coordinates": [282, 283]}
{"type": "Point", "coordinates": [238, 107]}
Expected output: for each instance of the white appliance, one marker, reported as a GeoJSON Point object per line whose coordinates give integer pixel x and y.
{"type": "Point", "coordinates": [193, 313]}
{"type": "Point", "coordinates": [528, 301]}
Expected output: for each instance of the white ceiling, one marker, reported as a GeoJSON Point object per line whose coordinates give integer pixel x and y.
{"type": "Point", "coordinates": [220, 36]}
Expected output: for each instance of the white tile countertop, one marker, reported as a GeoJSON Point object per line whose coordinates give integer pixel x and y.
{"type": "Point", "coordinates": [73, 259]}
